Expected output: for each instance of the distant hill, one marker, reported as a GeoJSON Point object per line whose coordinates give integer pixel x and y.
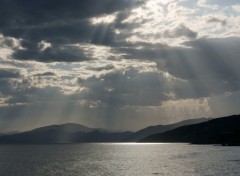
{"type": "Point", "coordinates": [8, 133]}
{"type": "Point", "coordinates": [68, 127]}
{"type": "Point", "coordinates": [225, 130]}
{"type": "Point", "coordinates": [66, 133]}
{"type": "Point", "coordinates": [161, 128]}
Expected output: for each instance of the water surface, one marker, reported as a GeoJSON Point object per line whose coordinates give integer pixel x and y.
{"type": "Point", "coordinates": [118, 159]}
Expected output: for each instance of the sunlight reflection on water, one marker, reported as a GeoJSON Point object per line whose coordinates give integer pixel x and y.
{"type": "Point", "coordinates": [134, 143]}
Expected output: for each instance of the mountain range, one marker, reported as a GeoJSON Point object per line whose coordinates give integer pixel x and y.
{"type": "Point", "coordinates": [76, 133]}
{"type": "Point", "coordinates": [65, 133]}
{"type": "Point", "coordinates": [225, 130]}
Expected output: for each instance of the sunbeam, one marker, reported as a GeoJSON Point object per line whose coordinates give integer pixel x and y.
{"type": "Point", "coordinates": [121, 65]}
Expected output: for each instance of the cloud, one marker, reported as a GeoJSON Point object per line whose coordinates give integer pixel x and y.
{"type": "Point", "coordinates": [9, 73]}
{"type": "Point", "coordinates": [208, 65]}
{"type": "Point", "coordinates": [104, 35]}
{"type": "Point", "coordinates": [223, 22]}
{"type": "Point", "coordinates": [49, 38]}
{"type": "Point", "coordinates": [51, 54]}
{"type": "Point", "coordinates": [201, 2]}
{"type": "Point", "coordinates": [8, 42]}
{"type": "Point", "coordinates": [180, 31]}
{"type": "Point", "coordinates": [41, 11]}
{"type": "Point", "coordinates": [100, 68]}
{"type": "Point", "coordinates": [236, 7]}
{"type": "Point", "coordinates": [44, 36]}
{"type": "Point", "coordinates": [45, 74]}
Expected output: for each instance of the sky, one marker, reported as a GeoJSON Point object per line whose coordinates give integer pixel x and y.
{"type": "Point", "coordinates": [117, 64]}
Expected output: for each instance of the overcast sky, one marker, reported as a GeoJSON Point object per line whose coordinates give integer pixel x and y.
{"type": "Point", "coordinates": [117, 64]}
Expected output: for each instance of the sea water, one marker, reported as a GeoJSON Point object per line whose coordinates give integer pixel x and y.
{"type": "Point", "coordinates": [119, 159]}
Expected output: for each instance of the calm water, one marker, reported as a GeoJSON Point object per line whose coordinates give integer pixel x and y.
{"type": "Point", "coordinates": [118, 159]}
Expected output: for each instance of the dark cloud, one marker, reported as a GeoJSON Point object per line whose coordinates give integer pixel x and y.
{"type": "Point", "coordinates": [45, 74]}
{"type": "Point", "coordinates": [104, 35]}
{"type": "Point", "coordinates": [58, 22]}
{"type": "Point", "coordinates": [59, 35]}
{"type": "Point", "coordinates": [61, 38]}
{"type": "Point", "coordinates": [41, 12]}
{"type": "Point", "coordinates": [58, 32]}
{"type": "Point", "coordinates": [9, 73]}
{"type": "Point", "coordinates": [51, 54]}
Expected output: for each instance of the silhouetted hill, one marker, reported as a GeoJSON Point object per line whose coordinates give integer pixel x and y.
{"type": "Point", "coordinates": [161, 128]}
{"type": "Point", "coordinates": [66, 133]}
{"type": "Point", "coordinates": [225, 130]}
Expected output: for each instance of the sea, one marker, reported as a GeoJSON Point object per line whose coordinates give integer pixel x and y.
{"type": "Point", "coordinates": [120, 159]}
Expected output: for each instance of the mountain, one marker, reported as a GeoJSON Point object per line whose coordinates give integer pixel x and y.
{"type": "Point", "coordinates": [161, 128]}
{"type": "Point", "coordinates": [66, 133]}
{"type": "Point", "coordinates": [225, 131]}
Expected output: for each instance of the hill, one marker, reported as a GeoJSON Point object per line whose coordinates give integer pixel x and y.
{"type": "Point", "coordinates": [161, 128]}
{"type": "Point", "coordinates": [225, 131]}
